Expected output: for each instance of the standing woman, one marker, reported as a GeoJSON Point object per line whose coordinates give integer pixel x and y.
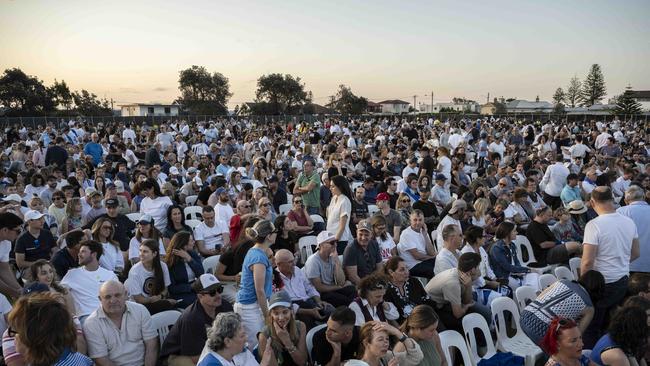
{"type": "Point", "coordinates": [155, 203]}
{"type": "Point", "coordinates": [184, 265]}
{"type": "Point", "coordinates": [112, 258]}
{"type": "Point", "coordinates": [175, 224]}
{"type": "Point", "coordinates": [339, 212]}
{"type": "Point", "coordinates": [256, 278]}
{"type": "Point", "coordinates": [422, 327]}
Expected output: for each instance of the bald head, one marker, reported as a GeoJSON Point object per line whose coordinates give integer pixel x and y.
{"type": "Point", "coordinates": [283, 255]}
{"type": "Point", "coordinates": [243, 207]}
{"type": "Point", "coordinates": [285, 262]}
{"type": "Point", "coordinates": [111, 286]}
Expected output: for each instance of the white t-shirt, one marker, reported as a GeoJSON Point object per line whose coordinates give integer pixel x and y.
{"type": "Point", "coordinates": [140, 281]}
{"type": "Point", "coordinates": [5, 248]}
{"type": "Point", "coordinates": [497, 148]}
{"type": "Point", "coordinates": [157, 208]}
{"type": "Point", "coordinates": [212, 237]}
{"type": "Point", "coordinates": [339, 208]}
{"type": "Point", "coordinates": [84, 287]}
{"type": "Point", "coordinates": [444, 164]}
{"type": "Point", "coordinates": [445, 260]}
{"type": "Point", "coordinates": [409, 239]}
{"type": "Point", "coordinates": [223, 212]}
{"type": "Point", "coordinates": [112, 257]}
{"type": "Point", "coordinates": [613, 234]}
{"type": "Point", "coordinates": [134, 248]}
{"type": "Point", "coordinates": [385, 247]}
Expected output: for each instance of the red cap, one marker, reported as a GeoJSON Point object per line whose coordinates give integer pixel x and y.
{"type": "Point", "coordinates": [383, 196]}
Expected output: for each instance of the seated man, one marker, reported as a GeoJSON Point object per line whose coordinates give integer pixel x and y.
{"type": "Point", "coordinates": [325, 272]}
{"type": "Point", "coordinates": [339, 341]}
{"type": "Point", "coordinates": [120, 332]}
{"type": "Point", "coordinates": [451, 290]}
{"type": "Point", "coordinates": [362, 256]}
{"type": "Point", "coordinates": [547, 249]}
{"type": "Point", "coordinates": [211, 235]}
{"type": "Point", "coordinates": [416, 248]}
{"type": "Point", "coordinates": [448, 256]}
{"type": "Point", "coordinates": [187, 337]}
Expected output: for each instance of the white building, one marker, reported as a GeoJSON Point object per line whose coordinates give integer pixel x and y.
{"type": "Point", "coordinates": [524, 106]}
{"type": "Point", "coordinates": [143, 110]}
{"type": "Point", "coordinates": [394, 106]}
{"type": "Point", "coordinates": [449, 107]}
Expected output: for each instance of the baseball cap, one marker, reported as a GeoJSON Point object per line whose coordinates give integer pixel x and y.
{"type": "Point", "coordinates": [383, 196]}
{"type": "Point", "coordinates": [441, 177]}
{"type": "Point", "coordinates": [111, 202]}
{"type": "Point", "coordinates": [280, 298]}
{"type": "Point", "coordinates": [89, 191]}
{"type": "Point", "coordinates": [145, 219]}
{"type": "Point", "coordinates": [457, 205]}
{"type": "Point", "coordinates": [220, 190]}
{"type": "Point", "coordinates": [325, 236]}
{"type": "Point", "coordinates": [174, 170]}
{"type": "Point", "coordinates": [206, 282]}
{"type": "Point", "coordinates": [13, 197]}
{"type": "Point", "coordinates": [364, 225]}
{"type": "Point", "coordinates": [198, 181]}
{"type": "Point", "coordinates": [191, 170]}
{"type": "Point", "coordinates": [33, 215]}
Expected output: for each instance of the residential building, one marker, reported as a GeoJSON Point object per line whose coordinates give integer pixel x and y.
{"type": "Point", "coordinates": [394, 106]}
{"type": "Point", "coordinates": [142, 110]}
{"type": "Point", "coordinates": [449, 107]}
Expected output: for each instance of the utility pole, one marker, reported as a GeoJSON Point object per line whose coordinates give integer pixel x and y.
{"type": "Point", "coordinates": [488, 98]}
{"type": "Point", "coordinates": [414, 105]}
{"type": "Point", "coordinates": [432, 101]}
{"type": "Point", "coordinates": [112, 101]}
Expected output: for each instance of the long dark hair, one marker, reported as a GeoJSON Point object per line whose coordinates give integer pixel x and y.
{"type": "Point", "coordinates": [178, 241]}
{"type": "Point", "coordinates": [151, 183]}
{"type": "Point", "coordinates": [342, 184]}
{"type": "Point", "coordinates": [170, 224]}
{"type": "Point", "coordinates": [159, 279]}
{"type": "Point", "coordinates": [628, 329]}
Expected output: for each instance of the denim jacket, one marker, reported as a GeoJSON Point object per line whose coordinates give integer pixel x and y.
{"type": "Point", "coordinates": [501, 259]}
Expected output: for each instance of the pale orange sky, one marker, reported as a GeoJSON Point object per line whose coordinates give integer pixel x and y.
{"type": "Point", "coordinates": [133, 51]}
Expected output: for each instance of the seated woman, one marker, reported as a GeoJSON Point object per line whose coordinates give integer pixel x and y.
{"type": "Point", "coordinates": [422, 327]}
{"type": "Point", "coordinates": [144, 230]}
{"type": "Point", "coordinates": [185, 266]}
{"type": "Point", "coordinates": [43, 272]}
{"type": "Point", "coordinates": [285, 238]}
{"type": "Point", "coordinates": [565, 299]}
{"type": "Point", "coordinates": [301, 222]}
{"type": "Point", "coordinates": [627, 337]}
{"type": "Point", "coordinates": [175, 223]}
{"type": "Point", "coordinates": [403, 291]}
{"type": "Point", "coordinates": [285, 334]}
{"type": "Point", "coordinates": [563, 342]}
{"type": "Point", "coordinates": [504, 261]}
{"type": "Point", "coordinates": [148, 280]}
{"type": "Point", "coordinates": [475, 239]}
{"type": "Point", "coordinates": [112, 258]}
{"type": "Point", "coordinates": [387, 247]}
{"type": "Point", "coordinates": [370, 304]}
{"type": "Point", "coordinates": [404, 208]}
{"type": "Point", "coordinates": [374, 346]}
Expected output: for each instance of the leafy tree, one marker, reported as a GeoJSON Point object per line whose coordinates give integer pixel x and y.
{"type": "Point", "coordinates": [573, 95]}
{"type": "Point", "coordinates": [593, 89]}
{"type": "Point", "coordinates": [61, 94]}
{"type": "Point", "coordinates": [500, 108]}
{"type": "Point", "coordinates": [626, 104]}
{"type": "Point", "coordinates": [202, 92]}
{"type": "Point", "coordinates": [346, 102]}
{"type": "Point", "coordinates": [283, 93]}
{"type": "Point", "coordinates": [87, 104]}
{"type": "Point", "coordinates": [559, 96]}
{"type": "Point", "coordinates": [462, 101]}
{"type": "Point", "coordinates": [24, 95]}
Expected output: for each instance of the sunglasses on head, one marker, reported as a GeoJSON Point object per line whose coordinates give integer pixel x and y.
{"type": "Point", "coordinates": [560, 324]}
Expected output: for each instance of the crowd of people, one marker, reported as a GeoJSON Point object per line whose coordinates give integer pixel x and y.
{"type": "Point", "coordinates": [374, 234]}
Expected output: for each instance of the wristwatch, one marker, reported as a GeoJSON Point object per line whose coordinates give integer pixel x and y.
{"type": "Point", "coordinates": [404, 337]}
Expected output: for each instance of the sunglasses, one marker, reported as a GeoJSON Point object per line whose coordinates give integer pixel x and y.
{"type": "Point", "coordinates": [297, 201]}
{"type": "Point", "coordinates": [212, 293]}
{"type": "Point", "coordinates": [562, 323]}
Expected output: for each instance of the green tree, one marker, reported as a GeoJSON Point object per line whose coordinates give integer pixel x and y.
{"type": "Point", "coordinates": [87, 104]}
{"type": "Point", "coordinates": [61, 94]}
{"type": "Point", "coordinates": [573, 95]}
{"type": "Point", "coordinates": [558, 99]}
{"type": "Point", "coordinates": [593, 89]}
{"type": "Point", "coordinates": [202, 92]}
{"type": "Point", "coordinates": [626, 104]}
{"type": "Point", "coordinates": [346, 102]}
{"type": "Point", "coordinates": [282, 93]}
{"type": "Point", "coordinates": [24, 95]}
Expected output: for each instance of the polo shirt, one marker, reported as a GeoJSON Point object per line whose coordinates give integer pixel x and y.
{"type": "Point", "coordinates": [35, 248]}
{"type": "Point", "coordinates": [366, 261]}
{"type": "Point", "coordinates": [445, 287]}
{"type": "Point", "coordinates": [312, 198]}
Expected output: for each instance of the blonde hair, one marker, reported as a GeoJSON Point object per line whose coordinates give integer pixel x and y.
{"type": "Point", "coordinates": [481, 206]}
{"type": "Point", "coordinates": [260, 230]}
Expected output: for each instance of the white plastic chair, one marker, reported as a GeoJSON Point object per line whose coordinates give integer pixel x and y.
{"type": "Point", "coordinates": [134, 216]}
{"type": "Point", "coordinates": [191, 200]}
{"type": "Point", "coordinates": [192, 223]}
{"type": "Point", "coordinates": [355, 185]}
{"type": "Point", "coordinates": [210, 263]}
{"type": "Point", "coordinates": [574, 264]}
{"type": "Point", "coordinates": [434, 236]}
{"type": "Point", "coordinates": [306, 245]}
{"type": "Point", "coordinates": [519, 344]}
{"type": "Point", "coordinates": [524, 295]}
{"type": "Point", "coordinates": [317, 218]}
{"type": "Point", "coordinates": [285, 208]}
{"type": "Point", "coordinates": [372, 209]}
{"type": "Point", "coordinates": [451, 338]}
{"type": "Point", "coordinates": [523, 244]}
{"type": "Point", "coordinates": [546, 280]}
{"type": "Point", "coordinates": [163, 321]}
{"type": "Point", "coordinates": [193, 212]}
{"type": "Point", "coordinates": [310, 337]}
{"type": "Point", "coordinates": [563, 273]}
{"type": "Point", "coordinates": [474, 321]}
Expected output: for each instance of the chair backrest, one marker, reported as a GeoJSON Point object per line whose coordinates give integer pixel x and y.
{"type": "Point", "coordinates": [524, 295]}
{"type": "Point", "coordinates": [307, 246]}
{"type": "Point", "coordinates": [546, 280]}
{"type": "Point", "coordinates": [210, 263]}
{"type": "Point", "coordinates": [191, 200]}
{"type": "Point", "coordinates": [355, 185]}
{"type": "Point", "coordinates": [434, 236]}
{"type": "Point", "coordinates": [451, 338]}
{"type": "Point", "coordinates": [163, 321]}
{"type": "Point", "coordinates": [310, 337]}
{"type": "Point", "coordinates": [316, 218]}
{"type": "Point", "coordinates": [193, 212]}
{"type": "Point", "coordinates": [192, 223]}
{"type": "Point", "coordinates": [523, 244]}
{"type": "Point", "coordinates": [499, 307]}
{"type": "Point", "coordinates": [563, 273]}
{"type": "Point", "coordinates": [134, 216]}
{"type": "Point", "coordinates": [372, 209]}
{"type": "Point", "coordinates": [472, 322]}
{"type": "Point", "coordinates": [284, 208]}
{"type": "Point", "coordinates": [574, 264]}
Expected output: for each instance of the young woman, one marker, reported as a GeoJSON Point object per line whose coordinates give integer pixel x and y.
{"type": "Point", "coordinates": [285, 238]}
{"type": "Point", "coordinates": [387, 247]}
{"type": "Point", "coordinates": [36, 186]}
{"type": "Point", "coordinates": [339, 212]}
{"type": "Point", "coordinates": [175, 223]}
{"type": "Point", "coordinates": [284, 332]}
{"type": "Point", "coordinates": [265, 209]}
{"type": "Point", "coordinates": [154, 203]}
{"type": "Point", "coordinates": [100, 185]}
{"type": "Point", "coordinates": [43, 272]}
{"type": "Point", "coordinates": [112, 258]}
{"type": "Point", "coordinates": [375, 346]}
{"type": "Point", "coordinates": [184, 265]}
{"type": "Point", "coordinates": [475, 240]}
{"type": "Point", "coordinates": [403, 291]}
{"type": "Point", "coordinates": [256, 278]}
{"type": "Point", "coordinates": [57, 209]}
{"type": "Point", "coordinates": [627, 337]}
{"type": "Point", "coordinates": [144, 230]}
{"type": "Point", "coordinates": [148, 280]}
{"type": "Point", "coordinates": [504, 261]}
{"type": "Point", "coordinates": [301, 222]}
{"type": "Point", "coordinates": [72, 218]}
{"type": "Point", "coordinates": [422, 327]}
{"type": "Point", "coordinates": [404, 208]}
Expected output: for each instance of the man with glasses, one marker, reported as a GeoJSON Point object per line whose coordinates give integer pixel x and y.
{"type": "Point", "coordinates": [9, 230]}
{"type": "Point", "coordinates": [187, 337]}
{"type": "Point", "coordinates": [308, 187]}
{"type": "Point", "coordinates": [123, 226]}
{"type": "Point", "coordinates": [35, 243]}
{"type": "Point", "coordinates": [391, 191]}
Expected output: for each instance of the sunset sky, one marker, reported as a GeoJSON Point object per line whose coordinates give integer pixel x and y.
{"type": "Point", "coordinates": [132, 51]}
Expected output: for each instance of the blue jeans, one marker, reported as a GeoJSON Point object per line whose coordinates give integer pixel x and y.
{"type": "Point", "coordinates": [313, 210]}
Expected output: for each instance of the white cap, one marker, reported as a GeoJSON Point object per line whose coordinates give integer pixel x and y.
{"type": "Point", "coordinates": [325, 236]}
{"type": "Point", "coordinates": [13, 197]}
{"type": "Point", "coordinates": [174, 170]}
{"type": "Point", "coordinates": [119, 185]}
{"type": "Point", "coordinates": [208, 280]}
{"type": "Point", "coordinates": [33, 215]}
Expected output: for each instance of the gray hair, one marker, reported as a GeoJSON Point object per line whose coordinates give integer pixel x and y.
{"type": "Point", "coordinates": [225, 325]}
{"type": "Point", "coordinates": [449, 230]}
{"type": "Point", "coordinates": [634, 193]}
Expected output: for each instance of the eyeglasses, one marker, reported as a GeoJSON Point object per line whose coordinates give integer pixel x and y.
{"type": "Point", "coordinates": [247, 206]}
{"type": "Point", "coordinates": [11, 332]}
{"type": "Point", "coordinates": [212, 293]}
{"type": "Point", "coordinates": [406, 201]}
{"type": "Point", "coordinates": [297, 201]}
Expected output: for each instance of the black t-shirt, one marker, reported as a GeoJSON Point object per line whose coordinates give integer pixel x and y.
{"type": "Point", "coordinates": [429, 209]}
{"type": "Point", "coordinates": [322, 351]}
{"type": "Point", "coordinates": [63, 261]}
{"type": "Point", "coordinates": [375, 172]}
{"type": "Point", "coordinates": [365, 261]}
{"type": "Point", "coordinates": [428, 164]}
{"type": "Point", "coordinates": [35, 248]}
{"type": "Point", "coordinates": [538, 233]}
{"type": "Point", "coordinates": [204, 195]}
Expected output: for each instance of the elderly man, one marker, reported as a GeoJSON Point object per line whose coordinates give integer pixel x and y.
{"type": "Point", "coordinates": [187, 337]}
{"type": "Point", "coordinates": [639, 211]}
{"type": "Point", "coordinates": [120, 332]}
{"type": "Point", "coordinates": [448, 256]}
{"type": "Point", "coordinates": [362, 257]}
{"type": "Point", "coordinates": [416, 248]}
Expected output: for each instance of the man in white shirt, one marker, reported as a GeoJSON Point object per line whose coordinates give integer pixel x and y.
{"type": "Point", "coordinates": [554, 181]}
{"type": "Point", "coordinates": [611, 242]}
{"type": "Point", "coordinates": [447, 258]}
{"type": "Point", "coordinates": [416, 248]}
{"type": "Point", "coordinates": [639, 211]}
{"type": "Point", "coordinates": [223, 208]}
{"type": "Point", "coordinates": [84, 282]}
{"type": "Point", "coordinates": [455, 214]}
{"type": "Point", "coordinates": [497, 146]}
{"type": "Point", "coordinates": [411, 168]}
{"type": "Point", "coordinates": [211, 235]}
{"type": "Point", "coordinates": [128, 135]}
{"type": "Point", "coordinates": [10, 227]}
{"type": "Point", "coordinates": [579, 150]}
{"type": "Point", "coordinates": [601, 140]}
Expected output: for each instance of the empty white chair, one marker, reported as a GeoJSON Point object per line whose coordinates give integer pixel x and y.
{"type": "Point", "coordinates": [210, 263]}
{"type": "Point", "coordinates": [563, 273]}
{"type": "Point", "coordinates": [309, 339]}
{"type": "Point", "coordinates": [574, 264]}
{"type": "Point", "coordinates": [285, 208]}
{"type": "Point", "coordinates": [451, 338]}
{"type": "Point", "coordinates": [193, 212]}
{"type": "Point", "coordinates": [524, 295]}
{"type": "Point", "coordinates": [519, 344]}
{"type": "Point", "coordinates": [372, 209]}
{"type": "Point", "coordinates": [306, 244]}
{"type": "Point", "coordinates": [316, 218]}
{"type": "Point", "coordinates": [434, 236]}
{"type": "Point", "coordinates": [134, 216]}
{"type": "Point", "coordinates": [546, 280]}
{"type": "Point", "coordinates": [192, 223]}
{"type": "Point", "coordinates": [163, 321]}
{"type": "Point", "coordinates": [191, 200]}
{"type": "Point", "coordinates": [472, 322]}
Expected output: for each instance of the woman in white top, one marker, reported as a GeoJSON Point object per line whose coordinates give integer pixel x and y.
{"type": "Point", "coordinates": [475, 240]}
{"type": "Point", "coordinates": [155, 203]}
{"type": "Point", "coordinates": [370, 304]}
{"type": "Point", "coordinates": [144, 230]}
{"type": "Point", "coordinates": [339, 212]}
{"type": "Point", "coordinates": [387, 247]}
{"type": "Point", "coordinates": [444, 164]}
{"type": "Point", "coordinates": [112, 258]}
